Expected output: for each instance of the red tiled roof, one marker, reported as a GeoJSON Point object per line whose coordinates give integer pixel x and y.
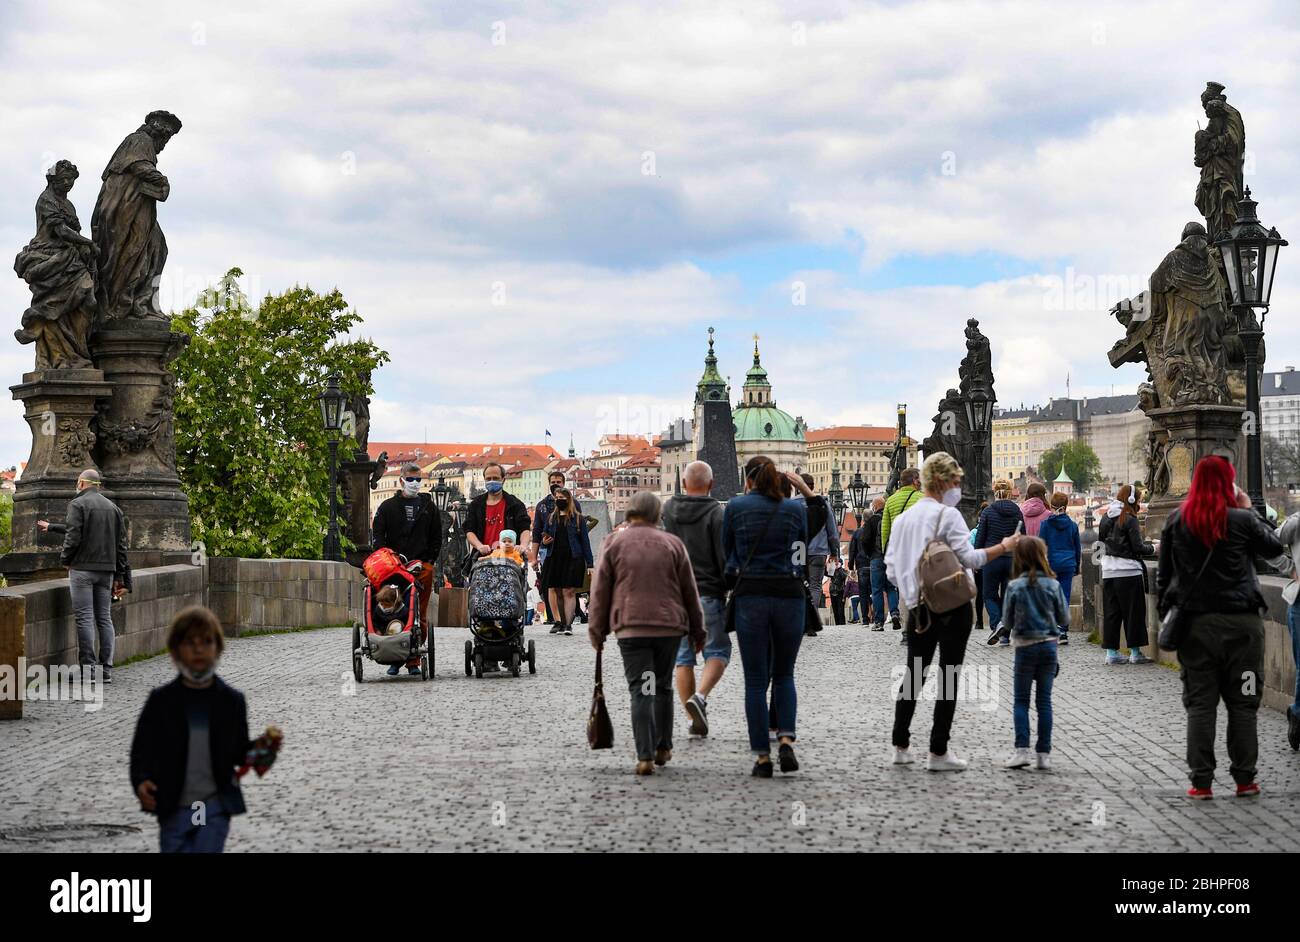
{"type": "Point", "coordinates": [458, 450]}
{"type": "Point", "coordinates": [852, 433]}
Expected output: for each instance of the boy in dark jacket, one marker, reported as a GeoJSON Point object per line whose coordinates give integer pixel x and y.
{"type": "Point", "coordinates": [191, 737]}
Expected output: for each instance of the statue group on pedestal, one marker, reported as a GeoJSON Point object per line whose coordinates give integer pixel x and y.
{"type": "Point", "coordinates": [80, 283]}
{"type": "Point", "coordinates": [952, 432]}
{"type": "Point", "coordinates": [1182, 328]}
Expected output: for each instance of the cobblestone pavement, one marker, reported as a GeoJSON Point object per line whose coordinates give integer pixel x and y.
{"type": "Point", "coordinates": [502, 762]}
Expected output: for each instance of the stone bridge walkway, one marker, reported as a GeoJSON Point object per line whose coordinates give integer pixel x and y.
{"type": "Point", "coordinates": [502, 763]}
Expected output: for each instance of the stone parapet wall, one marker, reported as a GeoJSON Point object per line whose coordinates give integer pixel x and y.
{"type": "Point", "coordinates": [246, 594]}
{"type": "Point", "coordinates": [1279, 664]}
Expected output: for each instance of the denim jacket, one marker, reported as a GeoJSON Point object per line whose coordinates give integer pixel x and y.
{"type": "Point", "coordinates": [579, 543]}
{"type": "Point", "coordinates": [743, 521]}
{"type": "Point", "coordinates": [1035, 612]}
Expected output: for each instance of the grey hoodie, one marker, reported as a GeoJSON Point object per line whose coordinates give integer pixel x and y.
{"type": "Point", "coordinates": [697, 522]}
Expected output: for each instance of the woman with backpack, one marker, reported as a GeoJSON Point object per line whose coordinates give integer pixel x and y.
{"type": "Point", "coordinates": [1207, 573]}
{"type": "Point", "coordinates": [932, 526]}
{"type": "Point", "coordinates": [1123, 579]}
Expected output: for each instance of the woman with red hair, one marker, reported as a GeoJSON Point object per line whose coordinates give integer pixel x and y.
{"type": "Point", "coordinates": [1207, 568]}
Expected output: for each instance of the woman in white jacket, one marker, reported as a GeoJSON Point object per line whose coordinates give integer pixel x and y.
{"type": "Point", "coordinates": [947, 632]}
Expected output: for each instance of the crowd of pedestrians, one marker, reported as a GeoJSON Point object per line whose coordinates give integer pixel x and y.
{"type": "Point", "coordinates": [679, 581]}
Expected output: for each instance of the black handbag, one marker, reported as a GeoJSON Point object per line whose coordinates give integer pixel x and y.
{"type": "Point", "coordinates": [1174, 625]}
{"type": "Point", "coordinates": [729, 613]}
{"type": "Point", "coordinates": [600, 731]}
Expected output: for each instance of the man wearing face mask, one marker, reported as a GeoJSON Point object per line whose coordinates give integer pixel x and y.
{"type": "Point", "coordinates": [410, 525]}
{"type": "Point", "coordinates": [537, 554]}
{"type": "Point", "coordinates": [494, 511]}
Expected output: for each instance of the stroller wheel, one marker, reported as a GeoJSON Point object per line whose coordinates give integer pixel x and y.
{"type": "Point", "coordinates": [478, 665]}
{"type": "Point", "coordinates": [532, 658]}
{"type": "Point", "coordinates": [514, 663]}
{"type": "Point", "coordinates": [469, 658]}
{"type": "Point", "coordinates": [424, 667]}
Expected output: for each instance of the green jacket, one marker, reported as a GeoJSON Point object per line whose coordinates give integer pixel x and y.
{"type": "Point", "coordinates": [896, 503]}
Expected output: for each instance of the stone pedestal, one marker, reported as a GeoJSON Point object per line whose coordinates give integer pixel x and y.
{"type": "Point", "coordinates": [354, 496]}
{"type": "Point", "coordinates": [136, 448]}
{"type": "Point", "coordinates": [60, 407]}
{"type": "Point", "coordinates": [1194, 432]}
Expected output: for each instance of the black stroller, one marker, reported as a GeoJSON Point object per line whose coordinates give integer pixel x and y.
{"type": "Point", "coordinates": [498, 598]}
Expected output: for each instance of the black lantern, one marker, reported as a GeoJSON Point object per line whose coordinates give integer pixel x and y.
{"type": "Point", "coordinates": [836, 493]}
{"type": "Point", "coordinates": [440, 493]}
{"type": "Point", "coordinates": [1250, 261]}
{"type": "Point", "coordinates": [1249, 256]}
{"type": "Point", "coordinates": [331, 402]}
{"type": "Point", "coordinates": [858, 490]}
{"type": "Point", "coordinates": [979, 415]}
{"type": "Point", "coordinates": [458, 513]}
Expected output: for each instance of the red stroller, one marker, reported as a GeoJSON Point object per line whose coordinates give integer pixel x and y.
{"type": "Point", "coordinates": [373, 639]}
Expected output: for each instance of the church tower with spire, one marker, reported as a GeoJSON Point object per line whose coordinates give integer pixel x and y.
{"type": "Point", "coordinates": [714, 431]}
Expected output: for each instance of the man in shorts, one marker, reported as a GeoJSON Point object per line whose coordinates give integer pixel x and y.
{"type": "Point", "coordinates": [696, 519]}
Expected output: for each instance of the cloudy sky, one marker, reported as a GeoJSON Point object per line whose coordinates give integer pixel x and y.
{"type": "Point", "coordinates": [540, 208]}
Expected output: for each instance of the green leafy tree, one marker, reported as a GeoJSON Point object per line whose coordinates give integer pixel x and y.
{"type": "Point", "coordinates": [250, 447]}
{"type": "Point", "coordinates": [6, 523]}
{"type": "Point", "coordinates": [1081, 464]}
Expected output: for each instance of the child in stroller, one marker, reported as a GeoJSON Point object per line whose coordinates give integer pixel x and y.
{"type": "Point", "coordinates": [392, 633]}
{"type": "Point", "coordinates": [497, 600]}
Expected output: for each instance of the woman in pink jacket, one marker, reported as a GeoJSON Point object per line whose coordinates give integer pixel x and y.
{"type": "Point", "coordinates": [1035, 509]}
{"type": "Point", "coordinates": [644, 592]}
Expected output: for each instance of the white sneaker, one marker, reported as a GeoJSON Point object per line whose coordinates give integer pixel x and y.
{"type": "Point", "coordinates": [945, 763]}
{"type": "Point", "coordinates": [1044, 762]}
{"type": "Point", "coordinates": [902, 757]}
{"type": "Point", "coordinates": [1020, 758]}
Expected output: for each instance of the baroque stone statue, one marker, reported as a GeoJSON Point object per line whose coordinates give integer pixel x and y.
{"type": "Point", "coordinates": [132, 249]}
{"type": "Point", "coordinates": [1220, 152]}
{"type": "Point", "coordinates": [359, 405]}
{"type": "Point", "coordinates": [59, 267]}
{"type": "Point", "coordinates": [1182, 330]}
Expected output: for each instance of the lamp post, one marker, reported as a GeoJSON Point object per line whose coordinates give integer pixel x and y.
{"type": "Point", "coordinates": [1250, 262]}
{"type": "Point", "coordinates": [858, 491]}
{"type": "Point", "coordinates": [836, 494]}
{"type": "Point", "coordinates": [440, 493]}
{"type": "Point", "coordinates": [979, 409]}
{"type": "Point", "coordinates": [331, 403]}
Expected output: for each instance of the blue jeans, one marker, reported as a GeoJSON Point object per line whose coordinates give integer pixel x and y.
{"type": "Point", "coordinates": [880, 588]}
{"type": "Point", "coordinates": [995, 575]}
{"type": "Point", "coordinates": [717, 643]}
{"type": "Point", "coordinates": [178, 834]}
{"type": "Point", "coordinates": [1066, 578]}
{"type": "Point", "coordinates": [1293, 625]}
{"type": "Point", "coordinates": [853, 607]}
{"type": "Point", "coordinates": [1035, 665]}
{"type": "Point", "coordinates": [769, 631]}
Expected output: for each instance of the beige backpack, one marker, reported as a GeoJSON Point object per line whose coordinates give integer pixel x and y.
{"type": "Point", "coordinates": [945, 584]}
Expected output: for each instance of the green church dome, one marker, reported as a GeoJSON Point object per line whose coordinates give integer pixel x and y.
{"type": "Point", "coordinates": [766, 423]}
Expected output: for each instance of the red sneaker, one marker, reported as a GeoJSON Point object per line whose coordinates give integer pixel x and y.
{"type": "Point", "coordinates": [1200, 794]}
{"type": "Point", "coordinates": [1247, 791]}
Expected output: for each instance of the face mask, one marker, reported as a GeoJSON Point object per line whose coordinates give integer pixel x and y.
{"type": "Point", "coordinates": [410, 488]}
{"type": "Point", "coordinates": [197, 677]}
{"type": "Point", "coordinates": [562, 504]}
{"type": "Point", "coordinates": [493, 487]}
{"type": "Point", "coordinates": [952, 496]}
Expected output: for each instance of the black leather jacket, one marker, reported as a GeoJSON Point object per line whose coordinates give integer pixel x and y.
{"type": "Point", "coordinates": [1228, 584]}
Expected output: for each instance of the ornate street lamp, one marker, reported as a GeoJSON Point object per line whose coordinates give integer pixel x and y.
{"type": "Point", "coordinates": [836, 494]}
{"type": "Point", "coordinates": [1250, 262]}
{"type": "Point", "coordinates": [440, 493]}
{"type": "Point", "coordinates": [858, 491]}
{"type": "Point", "coordinates": [332, 401]}
{"type": "Point", "coordinates": [979, 414]}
